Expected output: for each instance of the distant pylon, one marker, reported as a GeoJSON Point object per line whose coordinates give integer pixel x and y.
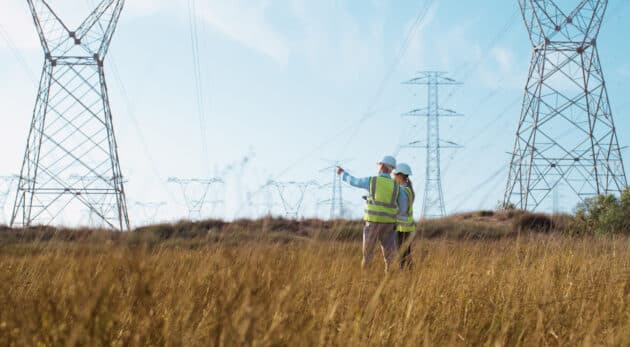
{"type": "Point", "coordinates": [150, 210]}
{"type": "Point", "coordinates": [71, 131]}
{"type": "Point", "coordinates": [195, 193]}
{"type": "Point", "coordinates": [433, 203]}
{"type": "Point", "coordinates": [6, 184]}
{"type": "Point", "coordinates": [292, 206]}
{"type": "Point", "coordinates": [566, 132]}
{"type": "Point", "coordinates": [336, 202]}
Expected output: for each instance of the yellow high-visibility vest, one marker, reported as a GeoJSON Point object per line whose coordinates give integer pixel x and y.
{"type": "Point", "coordinates": [409, 225]}
{"type": "Point", "coordinates": [382, 203]}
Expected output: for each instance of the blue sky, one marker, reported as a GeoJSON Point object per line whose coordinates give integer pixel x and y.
{"type": "Point", "coordinates": [295, 82]}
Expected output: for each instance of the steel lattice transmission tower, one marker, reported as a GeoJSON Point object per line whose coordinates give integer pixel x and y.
{"type": "Point", "coordinates": [150, 210]}
{"type": "Point", "coordinates": [566, 132]}
{"type": "Point", "coordinates": [336, 201]}
{"type": "Point", "coordinates": [71, 134]}
{"type": "Point", "coordinates": [292, 195]}
{"type": "Point", "coordinates": [6, 185]}
{"type": "Point", "coordinates": [195, 193]}
{"type": "Point", "coordinates": [433, 202]}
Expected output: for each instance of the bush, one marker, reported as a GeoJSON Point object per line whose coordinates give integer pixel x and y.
{"type": "Point", "coordinates": [484, 213]}
{"type": "Point", "coordinates": [604, 214]}
{"type": "Point", "coordinates": [533, 222]}
{"type": "Point", "coordinates": [505, 206]}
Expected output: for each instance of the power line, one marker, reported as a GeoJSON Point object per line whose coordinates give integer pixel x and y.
{"type": "Point", "coordinates": [369, 113]}
{"type": "Point", "coordinates": [131, 112]}
{"type": "Point", "coordinates": [486, 52]}
{"type": "Point", "coordinates": [199, 86]}
{"type": "Point", "coordinates": [468, 194]}
{"type": "Point", "coordinates": [18, 55]}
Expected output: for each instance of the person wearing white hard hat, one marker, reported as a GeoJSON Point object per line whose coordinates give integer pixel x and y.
{"type": "Point", "coordinates": [406, 227]}
{"type": "Point", "coordinates": [383, 204]}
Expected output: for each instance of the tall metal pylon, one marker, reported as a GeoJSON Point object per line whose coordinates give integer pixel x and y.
{"type": "Point", "coordinates": [566, 133]}
{"type": "Point", "coordinates": [433, 203]}
{"type": "Point", "coordinates": [71, 133]}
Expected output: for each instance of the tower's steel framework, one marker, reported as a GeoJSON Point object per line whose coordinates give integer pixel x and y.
{"type": "Point", "coordinates": [71, 135]}
{"type": "Point", "coordinates": [433, 202]}
{"type": "Point", "coordinates": [566, 132]}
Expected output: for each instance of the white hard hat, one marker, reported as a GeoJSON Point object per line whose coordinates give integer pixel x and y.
{"type": "Point", "coordinates": [404, 169]}
{"type": "Point", "coordinates": [388, 160]}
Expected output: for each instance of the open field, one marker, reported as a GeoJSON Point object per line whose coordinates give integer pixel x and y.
{"type": "Point", "coordinates": [532, 289]}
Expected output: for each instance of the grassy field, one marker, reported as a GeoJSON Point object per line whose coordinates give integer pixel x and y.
{"type": "Point", "coordinates": [533, 289]}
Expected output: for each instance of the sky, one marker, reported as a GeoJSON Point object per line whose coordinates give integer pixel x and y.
{"type": "Point", "coordinates": [293, 85]}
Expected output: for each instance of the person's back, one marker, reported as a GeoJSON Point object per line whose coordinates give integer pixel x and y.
{"type": "Point", "coordinates": [381, 211]}
{"type": "Point", "coordinates": [382, 203]}
{"type": "Point", "coordinates": [406, 226]}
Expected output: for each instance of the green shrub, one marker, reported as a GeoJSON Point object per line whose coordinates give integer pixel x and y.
{"type": "Point", "coordinates": [604, 214]}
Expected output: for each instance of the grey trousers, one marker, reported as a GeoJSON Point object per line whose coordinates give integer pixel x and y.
{"type": "Point", "coordinates": [385, 233]}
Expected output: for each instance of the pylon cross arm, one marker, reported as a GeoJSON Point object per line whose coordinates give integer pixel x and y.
{"type": "Point", "coordinates": [547, 22]}
{"type": "Point", "coordinates": [91, 38]}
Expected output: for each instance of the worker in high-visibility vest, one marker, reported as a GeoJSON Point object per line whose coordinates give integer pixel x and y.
{"type": "Point", "coordinates": [406, 226]}
{"type": "Point", "coordinates": [383, 204]}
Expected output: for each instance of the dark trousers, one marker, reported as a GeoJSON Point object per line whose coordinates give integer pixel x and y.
{"type": "Point", "coordinates": [404, 249]}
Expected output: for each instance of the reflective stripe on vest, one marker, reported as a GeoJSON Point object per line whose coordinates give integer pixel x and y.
{"type": "Point", "coordinates": [409, 225]}
{"type": "Point", "coordinates": [382, 203]}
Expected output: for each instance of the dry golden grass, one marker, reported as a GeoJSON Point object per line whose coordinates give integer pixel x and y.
{"type": "Point", "coordinates": [538, 290]}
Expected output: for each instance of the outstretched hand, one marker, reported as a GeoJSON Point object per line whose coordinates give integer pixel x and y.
{"type": "Point", "coordinates": [340, 170]}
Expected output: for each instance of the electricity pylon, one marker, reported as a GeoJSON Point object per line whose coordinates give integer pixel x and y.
{"type": "Point", "coordinates": [566, 133]}
{"type": "Point", "coordinates": [150, 210]}
{"type": "Point", "coordinates": [6, 184]}
{"type": "Point", "coordinates": [233, 174]}
{"type": "Point", "coordinates": [195, 199]}
{"type": "Point", "coordinates": [265, 206]}
{"type": "Point", "coordinates": [336, 202]}
{"type": "Point", "coordinates": [433, 203]}
{"type": "Point", "coordinates": [293, 205]}
{"type": "Point", "coordinates": [71, 130]}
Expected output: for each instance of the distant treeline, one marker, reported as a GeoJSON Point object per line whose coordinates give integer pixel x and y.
{"type": "Point", "coordinates": [603, 215]}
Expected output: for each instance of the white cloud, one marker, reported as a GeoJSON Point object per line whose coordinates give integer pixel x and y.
{"type": "Point", "coordinates": [139, 8]}
{"type": "Point", "coordinates": [338, 46]}
{"type": "Point", "coordinates": [247, 24]}
{"type": "Point", "coordinates": [504, 58]}
{"type": "Point", "coordinates": [243, 21]}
